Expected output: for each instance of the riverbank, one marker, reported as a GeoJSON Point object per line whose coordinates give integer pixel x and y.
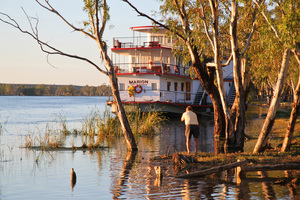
{"type": "Point", "coordinates": [185, 163]}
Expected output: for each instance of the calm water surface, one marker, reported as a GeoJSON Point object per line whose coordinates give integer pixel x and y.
{"type": "Point", "coordinates": [112, 173]}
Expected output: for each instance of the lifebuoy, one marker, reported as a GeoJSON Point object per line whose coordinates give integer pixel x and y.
{"type": "Point", "coordinates": [138, 89]}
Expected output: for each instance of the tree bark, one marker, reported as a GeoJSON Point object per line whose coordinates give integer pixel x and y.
{"type": "Point", "coordinates": [131, 144]}
{"type": "Point", "coordinates": [236, 141]}
{"type": "Point", "coordinates": [294, 114]}
{"type": "Point", "coordinates": [219, 71]}
{"type": "Point", "coordinates": [269, 121]}
{"type": "Point", "coordinates": [207, 81]}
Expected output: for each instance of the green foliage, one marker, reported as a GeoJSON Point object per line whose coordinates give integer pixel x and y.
{"type": "Point", "coordinates": [89, 8]}
{"type": "Point", "coordinates": [266, 51]}
{"type": "Point", "coordinates": [53, 90]}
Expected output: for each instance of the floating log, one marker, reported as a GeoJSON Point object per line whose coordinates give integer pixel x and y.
{"type": "Point", "coordinates": [286, 166]}
{"type": "Point", "coordinates": [213, 170]}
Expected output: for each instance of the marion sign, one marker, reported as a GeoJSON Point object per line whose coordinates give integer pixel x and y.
{"type": "Point", "coordinates": [141, 82]}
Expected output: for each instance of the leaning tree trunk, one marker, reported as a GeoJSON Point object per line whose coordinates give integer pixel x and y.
{"type": "Point", "coordinates": [131, 144]}
{"type": "Point", "coordinates": [270, 119]}
{"type": "Point", "coordinates": [294, 114]}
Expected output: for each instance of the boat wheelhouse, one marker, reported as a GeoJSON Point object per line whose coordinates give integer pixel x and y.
{"type": "Point", "coordinates": [150, 77]}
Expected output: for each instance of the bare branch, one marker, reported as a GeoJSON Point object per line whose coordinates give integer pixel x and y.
{"type": "Point", "coordinates": [228, 61]}
{"type": "Point", "coordinates": [153, 20]}
{"type": "Point", "coordinates": [249, 37]}
{"type": "Point", "coordinates": [101, 30]}
{"type": "Point", "coordinates": [297, 56]}
{"type": "Point", "coordinates": [205, 26]}
{"type": "Point", "coordinates": [51, 9]}
{"type": "Point", "coordinates": [266, 18]}
{"type": "Point", "coordinates": [45, 47]}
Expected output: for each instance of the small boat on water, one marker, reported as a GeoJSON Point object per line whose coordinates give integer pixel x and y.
{"type": "Point", "coordinates": [151, 78]}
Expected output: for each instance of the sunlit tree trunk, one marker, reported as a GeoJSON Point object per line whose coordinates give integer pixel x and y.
{"type": "Point", "coordinates": [130, 140]}
{"type": "Point", "coordinates": [219, 70]}
{"type": "Point", "coordinates": [237, 113]}
{"type": "Point", "coordinates": [294, 114]}
{"type": "Point", "coordinates": [269, 121]}
{"type": "Point", "coordinates": [241, 82]}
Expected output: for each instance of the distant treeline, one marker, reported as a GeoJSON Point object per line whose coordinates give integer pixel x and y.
{"type": "Point", "coordinates": [53, 90]}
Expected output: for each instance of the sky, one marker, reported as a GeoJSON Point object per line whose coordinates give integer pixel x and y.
{"type": "Point", "coordinates": [22, 61]}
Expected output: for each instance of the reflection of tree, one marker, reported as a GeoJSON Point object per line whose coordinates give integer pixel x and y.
{"type": "Point", "coordinates": [186, 192]}
{"type": "Point", "coordinates": [267, 186]}
{"type": "Point", "coordinates": [128, 163]}
{"type": "Point", "coordinates": [243, 190]}
{"type": "Point", "coordinates": [291, 186]}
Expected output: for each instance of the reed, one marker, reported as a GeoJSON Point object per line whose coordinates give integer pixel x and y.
{"type": "Point", "coordinates": [52, 136]}
{"type": "Point", "coordinates": [145, 123]}
{"type": "Point", "coordinates": [97, 128]}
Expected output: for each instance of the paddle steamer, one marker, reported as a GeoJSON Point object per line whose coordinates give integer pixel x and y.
{"type": "Point", "coordinates": [152, 78]}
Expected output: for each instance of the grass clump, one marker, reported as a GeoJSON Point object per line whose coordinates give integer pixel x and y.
{"type": "Point", "coordinates": [145, 123]}
{"type": "Point", "coordinates": [52, 137]}
{"type": "Point", "coordinates": [97, 129]}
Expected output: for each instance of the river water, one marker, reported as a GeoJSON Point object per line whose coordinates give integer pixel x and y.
{"type": "Point", "coordinates": [112, 173]}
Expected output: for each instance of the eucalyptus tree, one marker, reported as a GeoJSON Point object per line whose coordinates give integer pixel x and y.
{"type": "Point", "coordinates": [212, 29]}
{"type": "Point", "coordinates": [97, 14]}
{"type": "Point", "coordinates": [290, 12]}
{"type": "Point", "coordinates": [182, 21]}
{"type": "Point", "coordinates": [280, 17]}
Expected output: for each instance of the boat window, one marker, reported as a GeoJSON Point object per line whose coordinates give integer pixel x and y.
{"type": "Point", "coordinates": [133, 60]}
{"type": "Point", "coordinates": [175, 86]}
{"type": "Point", "coordinates": [188, 91]}
{"type": "Point", "coordinates": [154, 86]}
{"type": "Point", "coordinates": [122, 86]}
{"type": "Point", "coordinates": [182, 86]}
{"type": "Point", "coordinates": [168, 86]}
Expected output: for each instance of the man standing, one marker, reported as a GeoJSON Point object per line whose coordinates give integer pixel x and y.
{"type": "Point", "coordinates": [191, 128]}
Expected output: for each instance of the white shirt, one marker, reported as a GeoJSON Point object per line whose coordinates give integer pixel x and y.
{"type": "Point", "coordinates": [189, 118]}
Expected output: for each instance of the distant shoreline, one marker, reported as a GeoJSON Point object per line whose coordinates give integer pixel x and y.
{"type": "Point", "coordinates": [53, 90]}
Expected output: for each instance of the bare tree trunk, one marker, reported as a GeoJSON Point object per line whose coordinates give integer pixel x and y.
{"type": "Point", "coordinates": [269, 121]}
{"type": "Point", "coordinates": [238, 110]}
{"type": "Point", "coordinates": [131, 144]}
{"type": "Point", "coordinates": [236, 141]}
{"type": "Point", "coordinates": [294, 114]}
{"type": "Point", "coordinates": [219, 70]}
{"type": "Point", "coordinates": [207, 81]}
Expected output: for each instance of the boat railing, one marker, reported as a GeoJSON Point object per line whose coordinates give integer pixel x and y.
{"type": "Point", "coordinates": [141, 42]}
{"type": "Point", "coordinates": [155, 67]}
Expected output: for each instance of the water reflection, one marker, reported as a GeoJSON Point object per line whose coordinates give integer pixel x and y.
{"type": "Point", "coordinates": [137, 178]}
{"type": "Point", "coordinates": [115, 173]}
{"type": "Point", "coordinates": [121, 180]}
